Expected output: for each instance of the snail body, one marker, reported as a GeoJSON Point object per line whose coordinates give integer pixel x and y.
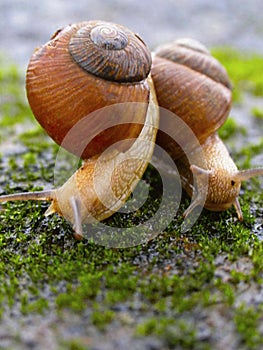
{"type": "Point", "coordinates": [193, 85]}
{"type": "Point", "coordinates": [73, 85]}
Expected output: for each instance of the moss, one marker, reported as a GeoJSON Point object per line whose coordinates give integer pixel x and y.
{"type": "Point", "coordinates": [230, 129]}
{"type": "Point", "coordinates": [74, 344]}
{"type": "Point", "coordinates": [246, 153]}
{"type": "Point", "coordinates": [174, 334]}
{"type": "Point", "coordinates": [257, 113]}
{"type": "Point", "coordinates": [244, 71]}
{"type": "Point", "coordinates": [247, 320]}
{"type": "Point", "coordinates": [13, 105]}
{"type": "Point", "coordinates": [101, 318]}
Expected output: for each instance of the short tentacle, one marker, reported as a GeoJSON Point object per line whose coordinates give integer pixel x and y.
{"type": "Point", "coordinates": [200, 192]}
{"type": "Point", "coordinates": [77, 224]}
{"type": "Point", "coordinates": [238, 209]}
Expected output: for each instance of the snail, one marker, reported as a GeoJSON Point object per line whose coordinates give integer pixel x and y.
{"type": "Point", "coordinates": [193, 85]}
{"type": "Point", "coordinates": [73, 83]}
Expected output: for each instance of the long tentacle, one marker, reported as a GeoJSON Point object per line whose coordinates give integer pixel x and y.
{"type": "Point", "coordinates": [243, 175]}
{"type": "Point", "coordinates": [47, 195]}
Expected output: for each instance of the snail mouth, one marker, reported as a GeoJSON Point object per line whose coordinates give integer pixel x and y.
{"type": "Point", "coordinates": [218, 206]}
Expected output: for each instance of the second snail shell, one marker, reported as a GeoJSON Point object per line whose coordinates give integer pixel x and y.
{"type": "Point", "coordinates": [193, 85]}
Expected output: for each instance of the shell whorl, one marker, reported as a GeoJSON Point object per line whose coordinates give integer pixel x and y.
{"type": "Point", "coordinates": [69, 102]}
{"type": "Point", "coordinates": [193, 54]}
{"type": "Point", "coordinates": [111, 52]}
{"type": "Point", "coordinates": [194, 86]}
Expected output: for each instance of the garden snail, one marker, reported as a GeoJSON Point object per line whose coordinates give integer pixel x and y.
{"type": "Point", "coordinates": [195, 86]}
{"type": "Point", "coordinates": [71, 82]}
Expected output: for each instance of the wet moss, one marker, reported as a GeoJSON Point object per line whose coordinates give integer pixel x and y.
{"type": "Point", "coordinates": [257, 112]}
{"type": "Point", "coordinates": [247, 320]}
{"type": "Point", "coordinates": [14, 108]}
{"type": "Point", "coordinates": [230, 129]}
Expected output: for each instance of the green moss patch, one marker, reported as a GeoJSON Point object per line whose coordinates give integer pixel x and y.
{"type": "Point", "coordinates": [244, 69]}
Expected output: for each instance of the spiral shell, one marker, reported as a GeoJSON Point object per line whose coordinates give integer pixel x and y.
{"type": "Point", "coordinates": [81, 70]}
{"type": "Point", "coordinates": [193, 54]}
{"type": "Point", "coordinates": [193, 85]}
{"type": "Point", "coordinates": [111, 52]}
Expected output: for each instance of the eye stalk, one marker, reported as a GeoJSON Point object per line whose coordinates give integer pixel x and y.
{"type": "Point", "coordinates": [243, 175]}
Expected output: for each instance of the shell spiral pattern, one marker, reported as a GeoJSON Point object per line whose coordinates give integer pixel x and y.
{"type": "Point", "coordinates": [111, 52]}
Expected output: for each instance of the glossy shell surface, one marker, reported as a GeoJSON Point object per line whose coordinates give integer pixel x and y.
{"type": "Point", "coordinates": [192, 85]}
{"type": "Point", "coordinates": [110, 51]}
{"type": "Point", "coordinates": [62, 94]}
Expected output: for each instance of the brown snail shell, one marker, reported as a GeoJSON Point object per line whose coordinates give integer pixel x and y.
{"type": "Point", "coordinates": [83, 68]}
{"type": "Point", "coordinates": [195, 87]}
{"type": "Point", "coordinates": [192, 84]}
